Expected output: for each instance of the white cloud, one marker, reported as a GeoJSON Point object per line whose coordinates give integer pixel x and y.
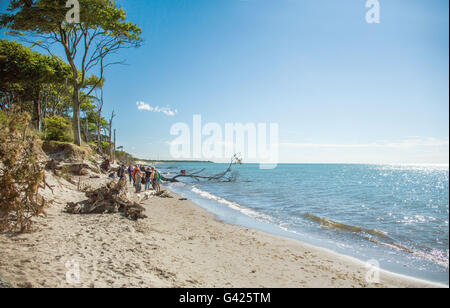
{"type": "Point", "coordinates": [146, 107]}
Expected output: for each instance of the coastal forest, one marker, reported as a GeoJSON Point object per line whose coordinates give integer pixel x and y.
{"type": "Point", "coordinates": [54, 59]}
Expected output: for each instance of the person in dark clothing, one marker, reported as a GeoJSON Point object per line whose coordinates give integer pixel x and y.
{"type": "Point", "coordinates": [121, 172]}
{"type": "Point", "coordinates": [148, 180]}
{"type": "Point", "coordinates": [130, 173]}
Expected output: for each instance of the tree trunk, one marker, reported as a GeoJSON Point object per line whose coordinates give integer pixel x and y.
{"type": "Point", "coordinates": [114, 150]}
{"type": "Point", "coordinates": [37, 111]}
{"type": "Point", "coordinates": [99, 137]}
{"type": "Point", "coordinates": [110, 135]}
{"type": "Point", "coordinates": [76, 86]}
{"type": "Point", "coordinates": [86, 129]}
{"type": "Point", "coordinates": [110, 140]}
{"type": "Point", "coordinates": [76, 116]}
{"type": "Point", "coordinates": [44, 109]}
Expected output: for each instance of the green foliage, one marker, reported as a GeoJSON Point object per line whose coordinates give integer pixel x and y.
{"type": "Point", "coordinates": [105, 145]}
{"type": "Point", "coordinates": [58, 129]}
{"type": "Point", "coordinates": [94, 82]}
{"type": "Point", "coordinates": [47, 16]}
{"type": "Point", "coordinates": [103, 30]}
{"type": "Point", "coordinates": [87, 103]}
{"type": "Point", "coordinates": [32, 81]}
{"type": "Point", "coordinates": [23, 66]}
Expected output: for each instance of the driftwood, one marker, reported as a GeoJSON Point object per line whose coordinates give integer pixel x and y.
{"type": "Point", "coordinates": [108, 199]}
{"type": "Point", "coordinates": [223, 176]}
{"type": "Point", "coordinates": [163, 194]}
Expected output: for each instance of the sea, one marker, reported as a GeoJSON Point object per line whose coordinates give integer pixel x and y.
{"type": "Point", "coordinates": [394, 215]}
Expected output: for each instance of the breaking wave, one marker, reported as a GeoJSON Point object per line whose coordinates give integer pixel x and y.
{"type": "Point", "coordinates": [232, 205]}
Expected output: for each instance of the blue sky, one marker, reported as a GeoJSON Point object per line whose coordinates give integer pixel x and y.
{"type": "Point", "coordinates": [341, 90]}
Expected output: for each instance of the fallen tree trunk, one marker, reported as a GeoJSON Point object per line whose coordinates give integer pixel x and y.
{"type": "Point", "coordinates": [236, 159]}
{"type": "Point", "coordinates": [108, 199]}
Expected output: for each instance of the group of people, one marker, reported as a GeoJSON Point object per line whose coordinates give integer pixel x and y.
{"type": "Point", "coordinates": [139, 176]}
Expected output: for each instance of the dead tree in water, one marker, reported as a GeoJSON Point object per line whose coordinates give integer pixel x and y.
{"type": "Point", "coordinates": [235, 160]}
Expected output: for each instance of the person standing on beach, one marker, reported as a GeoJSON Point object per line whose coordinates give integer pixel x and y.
{"type": "Point", "coordinates": [152, 178]}
{"type": "Point", "coordinates": [137, 179]}
{"type": "Point", "coordinates": [121, 172]}
{"type": "Point", "coordinates": [130, 173]}
{"type": "Point", "coordinates": [143, 180]}
{"type": "Point", "coordinates": [148, 178]}
{"type": "Point", "coordinates": [156, 178]}
{"type": "Point", "coordinates": [133, 174]}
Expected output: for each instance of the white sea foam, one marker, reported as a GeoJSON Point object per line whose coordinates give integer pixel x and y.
{"type": "Point", "coordinates": [232, 205]}
{"type": "Point", "coordinates": [304, 236]}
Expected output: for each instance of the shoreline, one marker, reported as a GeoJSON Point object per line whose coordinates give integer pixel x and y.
{"type": "Point", "coordinates": [388, 276]}
{"type": "Point", "coordinates": [180, 244]}
{"type": "Point", "coordinates": [271, 232]}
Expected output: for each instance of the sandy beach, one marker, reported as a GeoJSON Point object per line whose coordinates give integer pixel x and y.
{"type": "Point", "coordinates": [178, 245]}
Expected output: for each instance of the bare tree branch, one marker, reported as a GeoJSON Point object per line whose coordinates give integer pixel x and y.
{"type": "Point", "coordinates": [235, 160]}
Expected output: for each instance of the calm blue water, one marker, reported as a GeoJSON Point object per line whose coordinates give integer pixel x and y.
{"type": "Point", "coordinates": [397, 215]}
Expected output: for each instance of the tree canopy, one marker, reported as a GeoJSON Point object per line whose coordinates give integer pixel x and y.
{"type": "Point", "coordinates": [103, 30]}
{"type": "Point", "coordinates": [28, 77]}
{"type": "Point", "coordinates": [37, 83]}
{"type": "Point", "coordinates": [19, 64]}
